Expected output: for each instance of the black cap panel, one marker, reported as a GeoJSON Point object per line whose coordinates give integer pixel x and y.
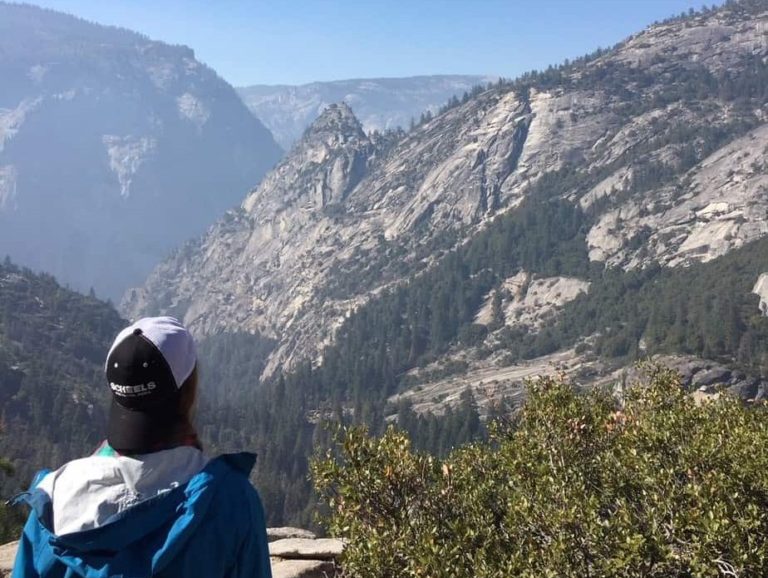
{"type": "Point", "coordinates": [139, 375]}
{"type": "Point", "coordinates": [139, 432]}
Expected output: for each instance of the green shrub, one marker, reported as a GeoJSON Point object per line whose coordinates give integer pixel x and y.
{"type": "Point", "coordinates": [580, 485]}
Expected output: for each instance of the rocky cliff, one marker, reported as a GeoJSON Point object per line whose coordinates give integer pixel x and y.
{"type": "Point", "coordinates": [658, 143]}
{"type": "Point", "coordinates": [113, 148]}
{"type": "Point", "coordinates": [379, 103]}
{"type": "Point", "coordinates": [321, 233]}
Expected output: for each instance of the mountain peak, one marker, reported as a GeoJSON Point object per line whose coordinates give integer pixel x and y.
{"type": "Point", "coordinates": [379, 103]}
{"type": "Point", "coordinates": [337, 149]}
{"type": "Point", "coordinates": [339, 120]}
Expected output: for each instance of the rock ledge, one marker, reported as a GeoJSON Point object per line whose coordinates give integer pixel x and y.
{"type": "Point", "coordinates": [294, 553]}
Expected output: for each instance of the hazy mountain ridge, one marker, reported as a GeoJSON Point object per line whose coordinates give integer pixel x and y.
{"type": "Point", "coordinates": [113, 148]}
{"type": "Point", "coordinates": [643, 139]}
{"type": "Point", "coordinates": [380, 103]}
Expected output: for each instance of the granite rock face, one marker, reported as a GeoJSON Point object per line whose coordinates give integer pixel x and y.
{"type": "Point", "coordinates": [712, 377]}
{"type": "Point", "coordinates": [761, 290]}
{"type": "Point", "coordinates": [712, 209]}
{"type": "Point", "coordinates": [345, 215]}
{"type": "Point", "coordinates": [290, 260]}
{"type": "Point", "coordinates": [528, 301]}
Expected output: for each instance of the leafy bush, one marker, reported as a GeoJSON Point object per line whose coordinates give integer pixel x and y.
{"type": "Point", "coordinates": [579, 485]}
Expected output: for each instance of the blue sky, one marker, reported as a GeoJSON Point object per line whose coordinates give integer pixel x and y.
{"type": "Point", "coordinates": [299, 41]}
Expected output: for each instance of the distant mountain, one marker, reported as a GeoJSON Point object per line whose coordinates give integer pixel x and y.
{"type": "Point", "coordinates": [113, 148]}
{"type": "Point", "coordinates": [379, 103]}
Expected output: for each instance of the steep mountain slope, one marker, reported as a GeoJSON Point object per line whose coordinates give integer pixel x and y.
{"type": "Point", "coordinates": [319, 221]}
{"type": "Point", "coordinates": [651, 152]}
{"type": "Point", "coordinates": [113, 148]}
{"type": "Point", "coordinates": [52, 389]}
{"type": "Point", "coordinates": [379, 103]}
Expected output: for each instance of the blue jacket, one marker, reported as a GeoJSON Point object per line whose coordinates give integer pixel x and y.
{"type": "Point", "coordinates": [212, 527]}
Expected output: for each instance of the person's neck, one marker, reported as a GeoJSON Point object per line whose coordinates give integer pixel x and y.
{"type": "Point", "coordinates": [188, 439]}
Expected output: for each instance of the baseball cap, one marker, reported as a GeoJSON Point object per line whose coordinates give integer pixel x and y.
{"type": "Point", "coordinates": [146, 367]}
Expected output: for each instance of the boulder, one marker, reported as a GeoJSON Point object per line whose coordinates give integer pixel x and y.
{"type": "Point", "coordinates": [747, 389]}
{"type": "Point", "coordinates": [274, 534]}
{"type": "Point", "coordinates": [7, 557]}
{"type": "Point", "coordinates": [306, 549]}
{"type": "Point", "coordinates": [302, 568]}
{"type": "Point", "coordinates": [291, 557]}
{"type": "Point", "coordinates": [712, 376]}
{"type": "Point", "coordinates": [701, 397]}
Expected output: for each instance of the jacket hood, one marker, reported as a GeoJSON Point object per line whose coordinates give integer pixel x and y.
{"type": "Point", "coordinates": [159, 525]}
{"type": "Point", "coordinates": [89, 492]}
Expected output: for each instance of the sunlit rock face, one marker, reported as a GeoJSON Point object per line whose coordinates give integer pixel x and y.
{"type": "Point", "coordinates": [113, 148]}
{"type": "Point", "coordinates": [716, 208]}
{"type": "Point", "coordinates": [761, 290]}
{"type": "Point", "coordinates": [665, 172]}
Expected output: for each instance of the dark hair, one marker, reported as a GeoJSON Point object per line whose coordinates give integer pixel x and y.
{"type": "Point", "coordinates": [188, 396]}
{"type": "Point", "coordinates": [185, 430]}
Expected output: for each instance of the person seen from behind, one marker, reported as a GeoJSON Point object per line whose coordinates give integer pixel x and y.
{"type": "Point", "coordinates": [148, 502]}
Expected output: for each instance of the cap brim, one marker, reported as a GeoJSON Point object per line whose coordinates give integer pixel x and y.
{"type": "Point", "coordinates": [139, 432]}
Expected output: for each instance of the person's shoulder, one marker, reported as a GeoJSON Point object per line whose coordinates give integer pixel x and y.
{"type": "Point", "coordinates": [233, 471]}
{"type": "Point", "coordinates": [237, 463]}
{"type": "Point", "coordinates": [235, 495]}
